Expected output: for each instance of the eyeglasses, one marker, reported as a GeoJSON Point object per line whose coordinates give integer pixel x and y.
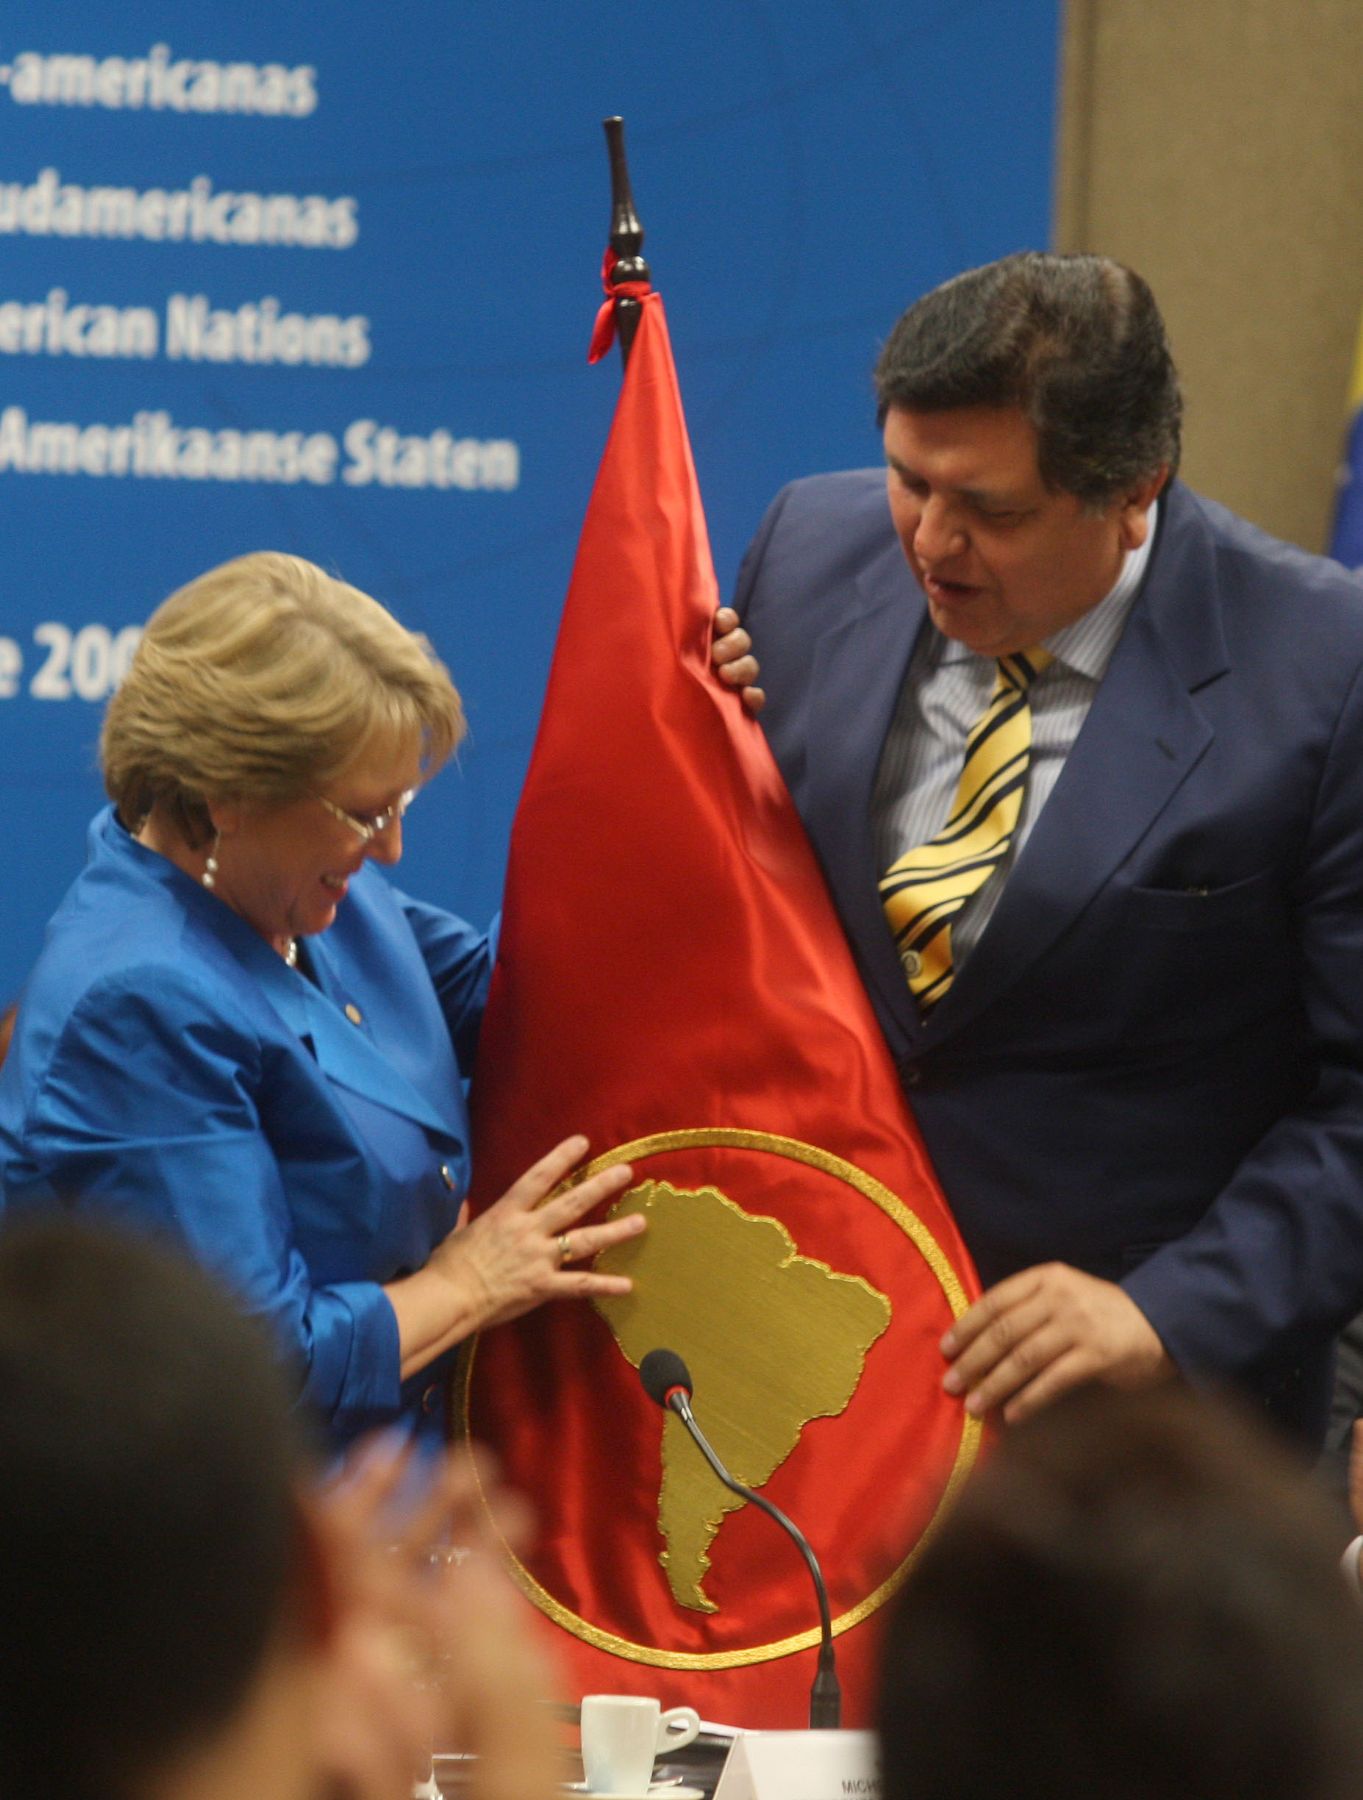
{"type": "Point", "coordinates": [367, 826]}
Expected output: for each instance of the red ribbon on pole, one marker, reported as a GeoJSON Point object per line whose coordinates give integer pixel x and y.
{"type": "Point", "coordinates": [603, 332]}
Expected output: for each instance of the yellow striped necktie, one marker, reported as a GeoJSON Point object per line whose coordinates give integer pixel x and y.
{"type": "Point", "coordinates": [925, 889]}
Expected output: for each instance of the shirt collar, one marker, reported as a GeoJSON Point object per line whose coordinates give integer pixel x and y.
{"type": "Point", "coordinates": [1087, 645]}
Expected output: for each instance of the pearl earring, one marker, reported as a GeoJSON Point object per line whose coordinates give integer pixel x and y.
{"type": "Point", "coordinates": [210, 875]}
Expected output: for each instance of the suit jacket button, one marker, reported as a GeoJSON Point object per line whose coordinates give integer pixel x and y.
{"type": "Point", "coordinates": [911, 1074]}
{"type": "Point", "coordinates": [446, 1176]}
{"type": "Point", "coordinates": [353, 1013]}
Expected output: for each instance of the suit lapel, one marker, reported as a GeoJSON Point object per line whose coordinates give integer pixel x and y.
{"type": "Point", "coordinates": [345, 1053]}
{"type": "Point", "coordinates": [857, 674]}
{"type": "Point", "coordinates": [1143, 736]}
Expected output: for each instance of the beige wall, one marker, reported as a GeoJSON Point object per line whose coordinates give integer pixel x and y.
{"type": "Point", "coordinates": [1217, 146]}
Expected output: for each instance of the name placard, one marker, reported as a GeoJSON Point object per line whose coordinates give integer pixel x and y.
{"type": "Point", "coordinates": [802, 1765]}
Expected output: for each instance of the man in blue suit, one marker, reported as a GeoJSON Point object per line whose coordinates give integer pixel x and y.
{"type": "Point", "coordinates": [1138, 1058]}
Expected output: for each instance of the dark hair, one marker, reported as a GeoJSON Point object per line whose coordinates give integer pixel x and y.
{"type": "Point", "coordinates": [1076, 342]}
{"type": "Point", "coordinates": [1136, 1599]}
{"type": "Point", "coordinates": [147, 1522]}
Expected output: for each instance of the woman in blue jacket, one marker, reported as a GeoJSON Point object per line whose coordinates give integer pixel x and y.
{"type": "Point", "coordinates": [242, 1037]}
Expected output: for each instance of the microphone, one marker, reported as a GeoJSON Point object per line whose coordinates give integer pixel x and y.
{"type": "Point", "coordinates": [667, 1382]}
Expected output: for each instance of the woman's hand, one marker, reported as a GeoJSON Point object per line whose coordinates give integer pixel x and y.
{"type": "Point", "coordinates": [512, 1257]}
{"type": "Point", "coordinates": [516, 1254]}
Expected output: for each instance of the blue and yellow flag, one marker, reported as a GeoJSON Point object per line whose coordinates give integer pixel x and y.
{"type": "Point", "coordinates": [1346, 540]}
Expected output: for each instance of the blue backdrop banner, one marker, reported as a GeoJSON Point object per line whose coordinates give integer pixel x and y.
{"type": "Point", "coordinates": [322, 280]}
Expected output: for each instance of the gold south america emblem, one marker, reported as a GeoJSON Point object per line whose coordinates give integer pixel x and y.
{"type": "Point", "coordinates": [702, 1264]}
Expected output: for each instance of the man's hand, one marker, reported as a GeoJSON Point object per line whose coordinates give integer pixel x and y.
{"type": "Point", "coordinates": [1043, 1331]}
{"type": "Point", "coordinates": [732, 659]}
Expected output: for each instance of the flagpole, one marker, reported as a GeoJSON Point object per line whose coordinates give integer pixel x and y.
{"type": "Point", "coordinates": [626, 236]}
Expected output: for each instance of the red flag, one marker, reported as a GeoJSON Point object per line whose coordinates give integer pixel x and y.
{"type": "Point", "coordinates": [673, 981]}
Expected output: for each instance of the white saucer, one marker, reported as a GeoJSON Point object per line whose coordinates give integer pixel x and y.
{"type": "Point", "coordinates": [662, 1790]}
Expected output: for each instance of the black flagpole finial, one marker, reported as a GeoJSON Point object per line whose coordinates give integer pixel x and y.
{"type": "Point", "coordinates": [627, 234]}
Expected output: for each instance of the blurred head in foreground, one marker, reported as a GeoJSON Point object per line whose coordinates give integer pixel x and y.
{"type": "Point", "coordinates": [147, 1490]}
{"type": "Point", "coordinates": [1137, 1598]}
{"type": "Point", "coordinates": [186, 1612]}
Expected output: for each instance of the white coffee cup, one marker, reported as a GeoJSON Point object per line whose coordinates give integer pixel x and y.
{"type": "Point", "coordinates": [621, 1736]}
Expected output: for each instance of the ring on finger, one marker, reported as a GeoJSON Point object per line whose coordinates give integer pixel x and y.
{"type": "Point", "coordinates": [565, 1248]}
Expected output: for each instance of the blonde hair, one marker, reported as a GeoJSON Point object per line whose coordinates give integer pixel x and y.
{"type": "Point", "coordinates": [262, 680]}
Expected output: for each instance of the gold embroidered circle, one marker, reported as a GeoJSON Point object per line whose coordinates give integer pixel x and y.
{"type": "Point", "coordinates": [728, 1138]}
